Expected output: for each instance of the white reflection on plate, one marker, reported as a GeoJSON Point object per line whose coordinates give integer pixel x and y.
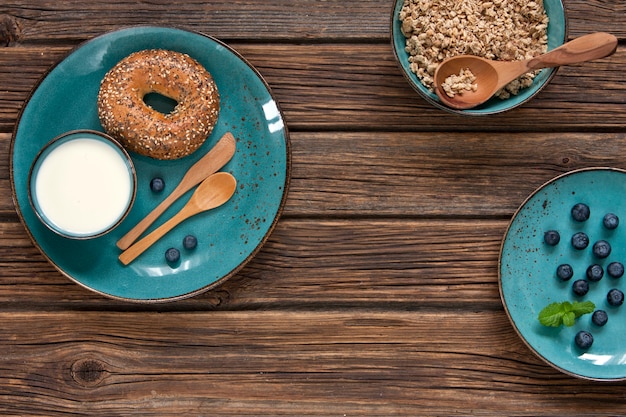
{"type": "Point", "coordinates": [271, 113]}
{"type": "Point", "coordinates": [603, 359]}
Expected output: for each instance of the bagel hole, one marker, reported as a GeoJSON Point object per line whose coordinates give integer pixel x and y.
{"type": "Point", "coordinates": [160, 103]}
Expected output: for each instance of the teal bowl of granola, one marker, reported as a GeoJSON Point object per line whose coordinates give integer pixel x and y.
{"type": "Point", "coordinates": [426, 32]}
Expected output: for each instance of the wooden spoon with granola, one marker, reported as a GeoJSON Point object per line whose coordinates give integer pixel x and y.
{"type": "Point", "coordinates": [466, 81]}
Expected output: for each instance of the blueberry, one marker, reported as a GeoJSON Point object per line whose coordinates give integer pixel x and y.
{"type": "Point", "coordinates": [615, 269]}
{"type": "Point", "coordinates": [172, 255]}
{"type": "Point", "coordinates": [580, 212]}
{"type": "Point", "coordinates": [615, 297]}
{"type": "Point", "coordinates": [157, 184]}
{"type": "Point", "coordinates": [595, 273]}
{"type": "Point", "coordinates": [599, 318]}
{"type": "Point", "coordinates": [190, 242]}
{"type": "Point", "coordinates": [580, 287]}
{"type": "Point", "coordinates": [564, 272]}
{"type": "Point", "coordinates": [583, 339]}
{"type": "Point", "coordinates": [552, 237]}
{"type": "Point", "coordinates": [610, 221]}
{"type": "Point", "coordinates": [601, 249]}
{"type": "Point", "coordinates": [580, 240]}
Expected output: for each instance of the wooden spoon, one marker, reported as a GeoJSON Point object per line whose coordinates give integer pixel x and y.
{"type": "Point", "coordinates": [215, 159]}
{"type": "Point", "coordinates": [491, 76]}
{"type": "Point", "coordinates": [213, 192]}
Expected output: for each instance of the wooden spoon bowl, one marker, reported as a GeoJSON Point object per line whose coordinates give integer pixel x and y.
{"type": "Point", "coordinates": [486, 80]}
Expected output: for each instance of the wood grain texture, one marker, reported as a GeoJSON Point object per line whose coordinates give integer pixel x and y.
{"type": "Point", "coordinates": [377, 293]}
{"type": "Point", "coordinates": [338, 87]}
{"type": "Point", "coordinates": [303, 20]}
{"type": "Point", "coordinates": [359, 362]}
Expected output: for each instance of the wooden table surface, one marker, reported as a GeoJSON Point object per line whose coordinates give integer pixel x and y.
{"type": "Point", "coordinates": [377, 293]}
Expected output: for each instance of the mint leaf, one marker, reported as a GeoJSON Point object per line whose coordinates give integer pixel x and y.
{"type": "Point", "coordinates": [583, 308]}
{"type": "Point", "coordinates": [551, 315]}
{"type": "Point", "coordinates": [569, 319]}
{"type": "Point", "coordinates": [566, 307]}
{"type": "Point", "coordinates": [556, 314]}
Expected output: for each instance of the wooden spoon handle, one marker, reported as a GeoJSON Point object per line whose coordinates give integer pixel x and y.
{"type": "Point", "coordinates": [585, 48]}
{"type": "Point", "coordinates": [139, 247]}
{"type": "Point", "coordinates": [215, 159]}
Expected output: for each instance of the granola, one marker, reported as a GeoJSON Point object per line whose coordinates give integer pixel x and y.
{"type": "Point", "coordinates": [498, 29]}
{"type": "Point", "coordinates": [459, 83]}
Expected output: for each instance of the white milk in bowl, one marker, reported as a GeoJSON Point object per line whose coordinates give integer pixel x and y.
{"type": "Point", "coordinates": [82, 184]}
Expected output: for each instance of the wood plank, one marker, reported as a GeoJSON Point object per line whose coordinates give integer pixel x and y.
{"type": "Point", "coordinates": [306, 263]}
{"type": "Point", "coordinates": [420, 174]}
{"type": "Point", "coordinates": [259, 20]}
{"type": "Point", "coordinates": [332, 87]}
{"type": "Point", "coordinates": [337, 87]}
{"type": "Point", "coordinates": [309, 20]}
{"type": "Point", "coordinates": [283, 363]}
{"type": "Point", "coordinates": [435, 174]}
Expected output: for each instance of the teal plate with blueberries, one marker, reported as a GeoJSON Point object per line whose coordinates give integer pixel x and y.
{"type": "Point", "coordinates": [228, 237]}
{"type": "Point", "coordinates": [528, 279]}
{"type": "Point", "coordinates": [557, 35]}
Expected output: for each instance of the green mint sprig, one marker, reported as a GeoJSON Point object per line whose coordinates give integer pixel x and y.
{"type": "Point", "coordinates": [555, 314]}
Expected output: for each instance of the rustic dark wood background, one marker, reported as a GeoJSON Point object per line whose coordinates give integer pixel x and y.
{"type": "Point", "coordinates": [377, 293]}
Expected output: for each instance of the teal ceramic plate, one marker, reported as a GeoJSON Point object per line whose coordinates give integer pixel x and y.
{"type": "Point", "coordinates": [527, 271]}
{"type": "Point", "coordinates": [557, 34]}
{"type": "Point", "coordinates": [228, 237]}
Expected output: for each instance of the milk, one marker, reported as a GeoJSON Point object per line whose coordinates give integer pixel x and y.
{"type": "Point", "coordinates": [83, 186]}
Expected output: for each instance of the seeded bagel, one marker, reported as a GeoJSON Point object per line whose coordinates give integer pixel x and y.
{"type": "Point", "coordinates": [146, 131]}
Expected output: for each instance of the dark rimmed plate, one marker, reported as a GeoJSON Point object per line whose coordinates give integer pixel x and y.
{"type": "Point", "coordinates": [527, 271]}
{"type": "Point", "coordinates": [228, 237]}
